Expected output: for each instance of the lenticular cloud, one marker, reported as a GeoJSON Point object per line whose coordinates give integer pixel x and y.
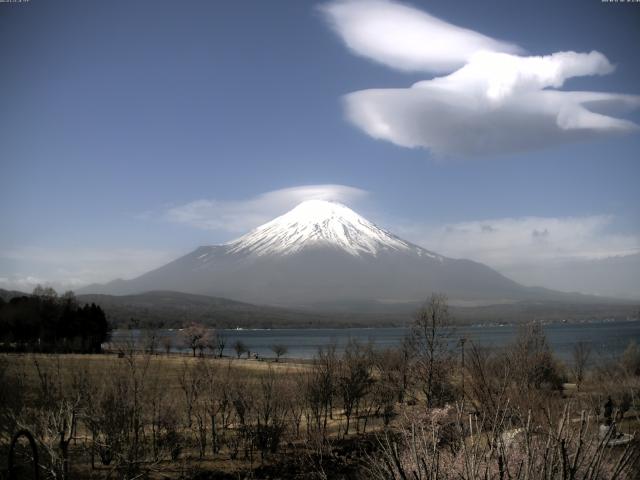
{"type": "Point", "coordinates": [404, 38]}
{"type": "Point", "coordinates": [494, 101]}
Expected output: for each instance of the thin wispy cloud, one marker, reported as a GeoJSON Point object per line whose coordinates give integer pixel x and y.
{"type": "Point", "coordinates": [505, 242]}
{"type": "Point", "coordinates": [70, 268]}
{"type": "Point", "coordinates": [576, 254]}
{"type": "Point", "coordinates": [21, 283]}
{"type": "Point", "coordinates": [494, 101]}
{"type": "Point", "coordinates": [239, 216]}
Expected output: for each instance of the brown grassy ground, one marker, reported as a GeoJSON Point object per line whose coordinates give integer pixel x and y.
{"type": "Point", "coordinates": [165, 370]}
{"type": "Point", "coordinates": [172, 363]}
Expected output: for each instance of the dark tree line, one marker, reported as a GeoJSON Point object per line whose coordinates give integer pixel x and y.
{"type": "Point", "coordinates": [47, 322]}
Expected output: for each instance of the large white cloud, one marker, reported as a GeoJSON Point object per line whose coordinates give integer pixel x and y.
{"type": "Point", "coordinates": [239, 216]}
{"type": "Point", "coordinates": [493, 102]}
{"type": "Point", "coordinates": [405, 38]}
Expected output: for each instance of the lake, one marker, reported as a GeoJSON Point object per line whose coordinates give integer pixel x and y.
{"type": "Point", "coordinates": [608, 339]}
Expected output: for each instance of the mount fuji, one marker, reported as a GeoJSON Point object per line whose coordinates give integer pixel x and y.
{"type": "Point", "coordinates": [321, 253]}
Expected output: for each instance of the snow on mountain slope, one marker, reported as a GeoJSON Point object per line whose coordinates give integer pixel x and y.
{"type": "Point", "coordinates": [321, 252]}
{"type": "Point", "coordinates": [319, 223]}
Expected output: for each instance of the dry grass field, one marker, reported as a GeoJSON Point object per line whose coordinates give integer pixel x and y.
{"type": "Point", "coordinates": [358, 414]}
{"type": "Point", "coordinates": [162, 368]}
{"type": "Point", "coordinates": [178, 384]}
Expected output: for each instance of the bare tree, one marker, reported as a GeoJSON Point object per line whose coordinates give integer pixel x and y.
{"type": "Point", "coordinates": [531, 356]}
{"type": "Point", "coordinates": [204, 343]}
{"type": "Point", "coordinates": [319, 387]}
{"type": "Point", "coordinates": [393, 367]}
{"type": "Point", "coordinates": [243, 399]}
{"type": "Point", "coordinates": [59, 407]}
{"type": "Point", "coordinates": [12, 399]}
{"type": "Point", "coordinates": [217, 400]}
{"type": "Point", "coordinates": [150, 341]}
{"type": "Point", "coordinates": [326, 370]}
{"type": "Point", "coordinates": [194, 337]}
{"type": "Point", "coordinates": [279, 350]}
{"type": "Point", "coordinates": [221, 342]}
{"type": "Point", "coordinates": [392, 371]}
{"type": "Point", "coordinates": [190, 380]}
{"type": "Point", "coordinates": [271, 412]}
{"type": "Point", "coordinates": [631, 359]}
{"type": "Point", "coordinates": [581, 352]}
{"type": "Point", "coordinates": [116, 414]}
{"type": "Point", "coordinates": [484, 386]}
{"type": "Point", "coordinates": [354, 379]}
{"type": "Point", "coordinates": [45, 293]}
{"type": "Point", "coordinates": [295, 396]}
{"type": "Point", "coordinates": [162, 420]}
{"type": "Point", "coordinates": [239, 347]}
{"type": "Point", "coordinates": [430, 339]}
{"type": "Point", "coordinates": [564, 450]}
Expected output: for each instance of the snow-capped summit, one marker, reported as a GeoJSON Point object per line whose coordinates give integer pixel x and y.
{"type": "Point", "coordinates": [322, 252]}
{"type": "Point", "coordinates": [315, 223]}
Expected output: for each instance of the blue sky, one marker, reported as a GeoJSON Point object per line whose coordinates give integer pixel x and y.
{"type": "Point", "coordinates": [115, 117]}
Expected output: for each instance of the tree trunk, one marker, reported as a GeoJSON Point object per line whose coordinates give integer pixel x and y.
{"type": "Point", "coordinates": [214, 435]}
{"type": "Point", "coordinates": [346, 430]}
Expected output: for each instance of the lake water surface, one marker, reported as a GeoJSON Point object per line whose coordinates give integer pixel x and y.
{"type": "Point", "coordinates": [608, 339]}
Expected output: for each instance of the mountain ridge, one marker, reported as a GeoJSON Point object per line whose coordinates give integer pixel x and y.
{"type": "Point", "coordinates": [167, 309]}
{"type": "Point", "coordinates": [321, 253]}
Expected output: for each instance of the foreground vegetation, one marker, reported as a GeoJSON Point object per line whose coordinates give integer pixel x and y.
{"type": "Point", "coordinates": [420, 411]}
